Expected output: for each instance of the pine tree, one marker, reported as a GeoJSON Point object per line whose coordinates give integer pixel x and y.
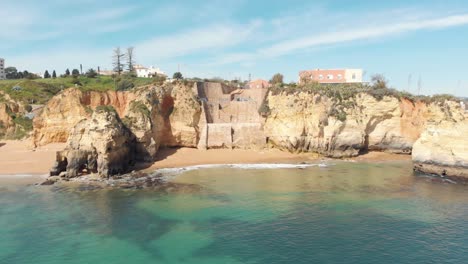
{"type": "Point", "coordinates": [54, 74]}
{"type": "Point", "coordinates": [67, 72]}
{"type": "Point", "coordinates": [117, 61]}
{"type": "Point", "coordinates": [130, 59]}
{"type": "Point", "coordinates": [46, 74]}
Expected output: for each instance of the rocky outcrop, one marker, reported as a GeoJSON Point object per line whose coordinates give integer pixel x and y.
{"type": "Point", "coordinates": [7, 126]}
{"type": "Point", "coordinates": [157, 115]}
{"type": "Point", "coordinates": [101, 144]}
{"type": "Point", "coordinates": [58, 117]}
{"type": "Point", "coordinates": [344, 128]}
{"type": "Point", "coordinates": [182, 114]}
{"type": "Point", "coordinates": [442, 148]}
{"type": "Point", "coordinates": [9, 109]}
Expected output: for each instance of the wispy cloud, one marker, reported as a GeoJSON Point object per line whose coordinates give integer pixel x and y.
{"type": "Point", "coordinates": [201, 39]}
{"type": "Point", "coordinates": [364, 33]}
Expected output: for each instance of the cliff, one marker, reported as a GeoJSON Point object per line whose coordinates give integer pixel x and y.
{"type": "Point", "coordinates": [13, 124]}
{"type": "Point", "coordinates": [442, 148]}
{"type": "Point", "coordinates": [164, 114]}
{"type": "Point", "coordinates": [338, 125]}
{"type": "Point", "coordinates": [343, 128]}
{"type": "Point", "coordinates": [100, 144]}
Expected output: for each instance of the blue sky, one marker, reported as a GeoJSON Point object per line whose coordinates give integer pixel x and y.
{"type": "Point", "coordinates": [407, 41]}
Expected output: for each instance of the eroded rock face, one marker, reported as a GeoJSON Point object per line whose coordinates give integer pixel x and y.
{"type": "Point", "coordinates": [182, 114]}
{"type": "Point", "coordinates": [156, 115]}
{"type": "Point", "coordinates": [315, 123]}
{"type": "Point", "coordinates": [442, 149]}
{"type": "Point", "coordinates": [100, 144]}
{"type": "Point", "coordinates": [8, 107]}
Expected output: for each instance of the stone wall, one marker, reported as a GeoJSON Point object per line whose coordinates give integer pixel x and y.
{"type": "Point", "coordinates": [232, 135]}
{"type": "Point", "coordinates": [231, 116]}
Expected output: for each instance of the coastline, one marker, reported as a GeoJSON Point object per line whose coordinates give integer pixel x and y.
{"type": "Point", "coordinates": [21, 164]}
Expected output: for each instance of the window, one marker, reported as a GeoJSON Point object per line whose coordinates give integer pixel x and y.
{"type": "Point", "coordinates": [340, 76]}
{"type": "Point", "coordinates": [330, 76]}
{"type": "Point", "coordinates": [354, 76]}
{"type": "Point", "coordinates": [320, 77]}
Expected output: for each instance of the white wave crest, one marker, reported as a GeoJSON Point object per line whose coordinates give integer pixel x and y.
{"type": "Point", "coordinates": [168, 172]}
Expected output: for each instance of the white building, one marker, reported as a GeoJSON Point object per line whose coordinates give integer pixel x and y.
{"type": "Point", "coordinates": [142, 71]}
{"type": "Point", "coordinates": [2, 69]}
{"type": "Point", "coordinates": [331, 76]}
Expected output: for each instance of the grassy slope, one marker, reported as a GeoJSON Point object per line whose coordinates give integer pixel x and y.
{"type": "Point", "coordinates": [39, 91]}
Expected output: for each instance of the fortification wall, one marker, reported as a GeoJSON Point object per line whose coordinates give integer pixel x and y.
{"type": "Point", "coordinates": [229, 135]}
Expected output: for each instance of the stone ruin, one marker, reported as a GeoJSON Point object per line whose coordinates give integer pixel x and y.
{"type": "Point", "coordinates": [230, 116]}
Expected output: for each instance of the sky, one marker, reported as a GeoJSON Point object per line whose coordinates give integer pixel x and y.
{"type": "Point", "coordinates": [419, 46]}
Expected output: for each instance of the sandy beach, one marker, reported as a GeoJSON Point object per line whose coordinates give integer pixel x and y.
{"type": "Point", "coordinates": [20, 163]}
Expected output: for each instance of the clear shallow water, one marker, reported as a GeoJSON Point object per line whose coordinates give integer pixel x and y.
{"type": "Point", "coordinates": [345, 213]}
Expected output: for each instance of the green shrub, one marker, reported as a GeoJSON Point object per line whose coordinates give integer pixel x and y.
{"type": "Point", "coordinates": [138, 106]}
{"type": "Point", "coordinates": [264, 109]}
{"type": "Point", "coordinates": [125, 84]}
{"type": "Point", "coordinates": [106, 108]}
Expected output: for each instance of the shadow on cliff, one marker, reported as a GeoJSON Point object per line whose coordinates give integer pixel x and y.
{"type": "Point", "coordinates": [2, 144]}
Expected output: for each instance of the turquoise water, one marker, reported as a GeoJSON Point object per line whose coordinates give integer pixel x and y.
{"type": "Point", "coordinates": [344, 213]}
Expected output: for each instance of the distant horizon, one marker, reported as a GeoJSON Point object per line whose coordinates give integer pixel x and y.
{"type": "Point", "coordinates": [409, 43]}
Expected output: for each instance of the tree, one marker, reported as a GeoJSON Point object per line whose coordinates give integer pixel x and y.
{"type": "Point", "coordinates": [277, 79]}
{"type": "Point", "coordinates": [11, 73]}
{"type": "Point", "coordinates": [46, 74]}
{"type": "Point", "coordinates": [54, 74]}
{"type": "Point", "coordinates": [91, 73]}
{"type": "Point", "coordinates": [75, 73]}
{"type": "Point", "coordinates": [81, 69]}
{"type": "Point", "coordinates": [67, 72]}
{"type": "Point", "coordinates": [177, 76]}
{"type": "Point", "coordinates": [378, 81]}
{"type": "Point", "coordinates": [117, 61]}
{"type": "Point", "coordinates": [130, 59]}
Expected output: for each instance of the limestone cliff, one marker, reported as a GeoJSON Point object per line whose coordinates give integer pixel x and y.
{"type": "Point", "coordinates": [155, 114]}
{"type": "Point", "coordinates": [343, 128]}
{"type": "Point", "coordinates": [101, 144]}
{"type": "Point", "coordinates": [9, 111]}
{"type": "Point", "coordinates": [442, 148]}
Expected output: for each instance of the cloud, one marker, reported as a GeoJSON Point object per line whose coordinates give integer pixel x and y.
{"type": "Point", "coordinates": [203, 39]}
{"type": "Point", "coordinates": [372, 32]}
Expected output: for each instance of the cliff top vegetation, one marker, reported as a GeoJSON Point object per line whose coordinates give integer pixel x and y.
{"type": "Point", "coordinates": [39, 91]}
{"type": "Point", "coordinates": [345, 91]}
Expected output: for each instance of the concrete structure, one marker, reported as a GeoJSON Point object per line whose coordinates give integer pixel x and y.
{"type": "Point", "coordinates": [142, 71]}
{"type": "Point", "coordinates": [2, 69]}
{"type": "Point", "coordinates": [331, 76]}
{"type": "Point", "coordinates": [230, 117]}
{"type": "Point", "coordinates": [255, 84]}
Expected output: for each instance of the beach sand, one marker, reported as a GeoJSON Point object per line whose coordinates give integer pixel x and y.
{"type": "Point", "coordinates": [18, 159]}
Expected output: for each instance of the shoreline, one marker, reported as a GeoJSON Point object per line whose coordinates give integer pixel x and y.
{"type": "Point", "coordinates": [21, 164]}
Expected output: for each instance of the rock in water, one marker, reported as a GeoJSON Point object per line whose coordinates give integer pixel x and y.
{"type": "Point", "coordinates": [442, 149]}
{"type": "Point", "coordinates": [101, 144]}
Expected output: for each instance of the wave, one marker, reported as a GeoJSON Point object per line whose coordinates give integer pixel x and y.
{"type": "Point", "coordinates": [168, 172]}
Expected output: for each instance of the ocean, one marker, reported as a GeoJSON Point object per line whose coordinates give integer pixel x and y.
{"type": "Point", "coordinates": [335, 212]}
